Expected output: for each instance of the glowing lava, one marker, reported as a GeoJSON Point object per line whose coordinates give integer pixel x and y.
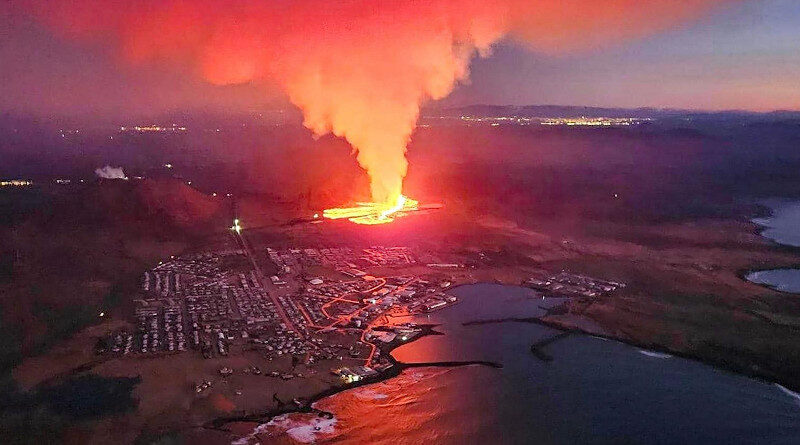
{"type": "Point", "coordinates": [372, 212]}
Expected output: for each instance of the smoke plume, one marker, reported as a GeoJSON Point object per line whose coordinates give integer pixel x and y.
{"type": "Point", "coordinates": [109, 172]}
{"type": "Point", "coordinates": [359, 69]}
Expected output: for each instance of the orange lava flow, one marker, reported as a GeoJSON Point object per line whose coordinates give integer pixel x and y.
{"type": "Point", "coordinates": [372, 213]}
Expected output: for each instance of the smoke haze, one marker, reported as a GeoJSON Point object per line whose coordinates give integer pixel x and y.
{"type": "Point", "coordinates": [109, 172]}
{"type": "Point", "coordinates": [359, 69]}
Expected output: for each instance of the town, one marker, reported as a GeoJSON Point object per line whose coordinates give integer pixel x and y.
{"type": "Point", "coordinates": [568, 284]}
{"type": "Point", "coordinates": [317, 304]}
{"type": "Point", "coordinates": [344, 306]}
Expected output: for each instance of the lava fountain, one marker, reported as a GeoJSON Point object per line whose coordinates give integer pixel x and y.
{"type": "Point", "coordinates": [358, 69]}
{"type": "Point", "coordinates": [372, 213]}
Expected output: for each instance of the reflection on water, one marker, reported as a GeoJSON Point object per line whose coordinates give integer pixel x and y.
{"type": "Point", "coordinates": [783, 225]}
{"type": "Point", "coordinates": [595, 391]}
{"type": "Point", "coordinates": [786, 280]}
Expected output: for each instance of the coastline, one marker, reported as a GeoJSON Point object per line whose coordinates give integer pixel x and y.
{"type": "Point", "coordinates": [719, 364]}
{"type": "Point", "coordinates": [306, 405]}
{"type": "Point", "coordinates": [564, 326]}
{"type": "Point", "coordinates": [766, 211]}
{"type": "Point", "coordinates": [565, 329]}
{"type": "Point", "coordinates": [743, 273]}
{"type": "Point", "coordinates": [759, 227]}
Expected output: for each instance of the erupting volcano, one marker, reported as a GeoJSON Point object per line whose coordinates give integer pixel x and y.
{"type": "Point", "coordinates": [359, 69]}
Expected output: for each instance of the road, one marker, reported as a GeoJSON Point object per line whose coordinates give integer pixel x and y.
{"type": "Point", "coordinates": [265, 283]}
{"type": "Point", "coordinates": [381, 282]}
{"type": "Point", "coordinates": [345, 319]}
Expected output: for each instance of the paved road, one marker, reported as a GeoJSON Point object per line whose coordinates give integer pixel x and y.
{"type": "Point", "coordinates": [265, 283]}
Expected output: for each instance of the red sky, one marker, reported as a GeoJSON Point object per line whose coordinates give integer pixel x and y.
{"type": "Point", "coordinates": [740, 55]}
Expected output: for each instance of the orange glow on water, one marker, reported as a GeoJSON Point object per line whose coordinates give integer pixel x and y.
{"type": "Point", "coordinates": [371, 213]}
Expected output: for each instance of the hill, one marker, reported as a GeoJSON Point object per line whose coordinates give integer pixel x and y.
{"type": "Point", "coordinates": [80, 253]}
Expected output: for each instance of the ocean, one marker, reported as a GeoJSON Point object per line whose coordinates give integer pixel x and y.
{"type": "Point", "coordinates": [594, 391]}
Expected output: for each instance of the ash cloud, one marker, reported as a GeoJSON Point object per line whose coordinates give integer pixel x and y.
{"type": "Point", "coordinates": [360, 69]}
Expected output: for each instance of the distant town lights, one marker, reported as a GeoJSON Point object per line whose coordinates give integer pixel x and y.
{"type": "Point", "coordinates": [152, 128]}
{"type": "Point", "coordinates": [566, 121]}
{"type": "Point", "coordinates": [16, 183]}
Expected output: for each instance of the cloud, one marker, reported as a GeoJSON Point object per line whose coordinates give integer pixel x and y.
{"type": "Point", "coordinates": [109, 172]}
{"type": "Point", "coordinates": [359, 69]}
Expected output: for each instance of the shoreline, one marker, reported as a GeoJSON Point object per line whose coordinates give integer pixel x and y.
{"type": "Point", "coordinates": [743, 273]}
{"type": "Point", "coordinates": [564, 327]}
{"type": "Point", "coordinates": [567, 329]}
{"type": "Point", "coordinates": [759, 229]}
{"type": "Point", "coordinates": [307, 405]}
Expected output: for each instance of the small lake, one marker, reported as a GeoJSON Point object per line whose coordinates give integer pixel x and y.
{"type": "Point", "coordinates": [783, 227]}
{"type": "Point", "coordinates": [784, 280]}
